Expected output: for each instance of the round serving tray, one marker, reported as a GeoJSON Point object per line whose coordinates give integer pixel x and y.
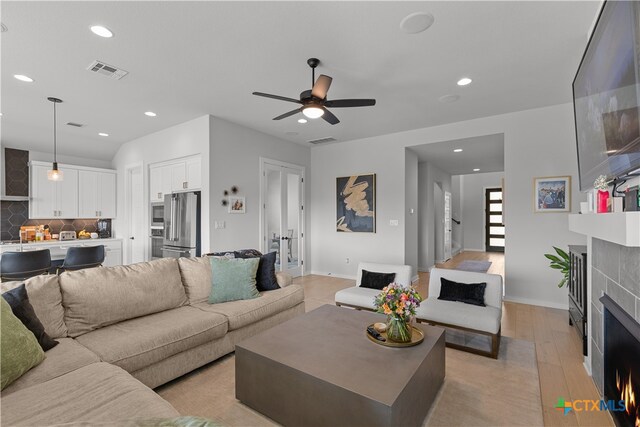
{"type": "Point", "coordinates": [417, 337]}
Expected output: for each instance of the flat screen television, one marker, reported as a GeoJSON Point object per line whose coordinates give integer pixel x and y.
{"type": "Point", "coordinates": [606, 91]}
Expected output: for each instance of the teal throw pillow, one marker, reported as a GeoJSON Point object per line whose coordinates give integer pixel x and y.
{"type": "Point", "coordinates": [233, 279]}
{"type": "Point", "coordinates": [19, 348]}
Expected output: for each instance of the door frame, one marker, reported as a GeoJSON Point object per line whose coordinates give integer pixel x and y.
{"type": "Point", "coordinates": [485, 235]}
{"type": "Point", "coordinates": [444, 225]}
{"type": "Point", "coordinates": [263, 198]}
{"type": "Point", "coordinates": [126, 255]}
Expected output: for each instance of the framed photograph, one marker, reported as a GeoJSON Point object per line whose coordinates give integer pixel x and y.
{"type": "Point", "coordinates": [552, 194]}
{"type": "Point", "coordinates": [356, 204]}
{"type": "Point", "coordinates": [237, 205]}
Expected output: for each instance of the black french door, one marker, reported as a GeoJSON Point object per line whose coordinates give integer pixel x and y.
{"type": "Point", "coordinates": [494, 223]}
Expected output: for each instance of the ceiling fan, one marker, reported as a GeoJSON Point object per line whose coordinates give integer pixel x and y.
{"type": "Point", "coordinates": [314, 102]}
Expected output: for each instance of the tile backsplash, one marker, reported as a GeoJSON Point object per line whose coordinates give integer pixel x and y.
{"type": "Point", "coordinates": [15, 214]}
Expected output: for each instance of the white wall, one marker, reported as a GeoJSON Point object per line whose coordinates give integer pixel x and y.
{"type": "Point", "coordinates": [69, 160]}
{"type": "Point", "coordinates": [411, 204]}
{"type": "Point", "coordinates": [538, 142]}
{"type": "Point", "coordinates": [235, 160]}
{"type": "Point", "coordinates": [178, 141]}
{"type": "Point", "coordinates": [473, 207]}
{"type": "Point", "coordinates": [430, 210]}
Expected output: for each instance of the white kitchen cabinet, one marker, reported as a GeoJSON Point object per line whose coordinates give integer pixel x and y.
{"type": "Point", "coordinates": [112, 257]}
{"type": "Point", "coordinates": [112, 248]}
{"type": "Point", "coordinates": [159, 182]}
{"type": "Point", "coordinates": [97, 194]}
{"type": "Point", "coordinates": [52, 199]}
{"type": "Point", "coordinates": [174, 176]}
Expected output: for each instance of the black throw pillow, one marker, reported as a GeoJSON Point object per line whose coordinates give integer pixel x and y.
{"type": "Point", "coordinates": [468, 293]}
{"type": "Point", "coordinates": [373, 280]}
{"type": "Point", "coordinates": [266, 276]}
{"type": "Point", "coordinates": [23, 310]}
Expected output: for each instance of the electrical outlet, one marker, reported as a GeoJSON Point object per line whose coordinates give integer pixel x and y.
{"type": "Point", "coordinates": [393, 222]}
{"type": "Point", "coordinates": [219, 225]}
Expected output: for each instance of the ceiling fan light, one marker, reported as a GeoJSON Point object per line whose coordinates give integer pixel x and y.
{"type": "Point", "coordinates": [55, 174]}
{"type": "Point", "coordinates": [313, 112]}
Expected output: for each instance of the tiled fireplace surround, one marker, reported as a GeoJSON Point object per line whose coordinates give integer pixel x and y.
{"type": "Point", "coordinates": [615, 270]}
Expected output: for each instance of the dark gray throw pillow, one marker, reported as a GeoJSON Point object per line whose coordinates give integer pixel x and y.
{"type": "Point", "coordinates": [373, 280]}
{"type": "Point", "coordinates": [266, 276]}
{"type": "Point", "coordinates": [468, 293]}
{"type": "Point", "coordinates": [21, 307]}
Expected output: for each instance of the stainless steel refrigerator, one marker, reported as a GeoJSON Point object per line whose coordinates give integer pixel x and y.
{"type": "Point", "coordinates": [181, 225]}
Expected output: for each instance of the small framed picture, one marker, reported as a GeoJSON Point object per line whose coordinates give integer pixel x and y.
{"type": "Point", "coordinates": [236, 205]}
{"type": "Point", "coordinates": [552, 194]}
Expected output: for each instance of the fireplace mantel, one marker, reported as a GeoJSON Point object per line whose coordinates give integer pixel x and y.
{"type": "Point", "coordinates": [621, 228]}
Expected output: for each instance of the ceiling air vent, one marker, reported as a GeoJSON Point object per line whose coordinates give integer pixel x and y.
{"type": "Point", "coordinates": [107, 70]}
{"type": "Point", "coordinates": [322, 140]}
{"type": "Point", "coordinates": [78, 125]}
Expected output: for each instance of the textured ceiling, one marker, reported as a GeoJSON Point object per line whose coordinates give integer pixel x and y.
{"type": "Point", "coordinates": [188, 59]}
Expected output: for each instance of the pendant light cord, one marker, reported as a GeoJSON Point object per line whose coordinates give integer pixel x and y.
{"type": "Point", "coordinates": [54, 134]}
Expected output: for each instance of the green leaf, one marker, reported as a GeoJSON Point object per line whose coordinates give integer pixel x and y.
{"type": "Point", "coordinates": [556, 267]}
{"type": "Point", "coordinates": [562, 253]}
{"type": "Point", "coordinates": [553, 257]}
{"type": "Point", "coordinates": [562, 282]}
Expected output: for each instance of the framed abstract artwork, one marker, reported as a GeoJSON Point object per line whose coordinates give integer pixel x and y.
{"type": "Point", "coordinates": [356, 204]}
{"type": "Point", "coordinates": [552, 194]}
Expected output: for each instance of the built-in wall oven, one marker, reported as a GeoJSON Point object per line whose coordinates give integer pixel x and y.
{"type": "Point", "coordinates": [156, 234]}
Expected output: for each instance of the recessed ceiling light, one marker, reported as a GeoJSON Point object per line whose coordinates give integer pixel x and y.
{"type": "Point", "coordinates": [416, 22]}
{"type": "Point", "coordinates": [150, 114]}
{"type": "Point", "coordinates": [103, 134]}
{"type": "Point", "coordinates": [101, 31]}
{"type": "Point", "coordinates": [476, 170]}
{"type": "Point", "coordinates": [447, 99]}
{"type": "Point", "coordinates": [464, 81]}
{"type": "Point", "coordinates": [23, 78]}
{"type": "Point", "coordinates": [458, 150]}
{"type": "Point", "coordinates": [302, 121]}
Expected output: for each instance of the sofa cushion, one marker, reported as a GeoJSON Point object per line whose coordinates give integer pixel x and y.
{"type": "Point", "coordinates": [357, 296]}
{"type": "Point", "coordinates": [67, 356]}
{"type": "Point", "coordinates": [46, 300]}
{"type": "Point", "coordinates": [283, 279]}
{"type": "Point", "coordinates": [18, 299]}
{"type": "Point", "coordinates": [245, 312]}
{"type": "Point", "coordinates": [375, 280]}
{"type": "Point", "coordinates": [94, 393]}
{"type": "Point", "coordinates": [468, 293]}
{"type": "Point", "coordinates": [233, 279]}
{"type": "Point", "coordinates": [97, 297]}
{"type": "Point", "coordinates": [485, 319]}
{"type": "Point", "coordinates": [19, 348]}
{"type": "Point", "coordinates": [196, 277]}
{"type": "Point", "coordinates": [137, 343]}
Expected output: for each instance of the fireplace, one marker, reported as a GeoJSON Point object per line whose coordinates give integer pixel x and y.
{"type": "Point", "coordinates": [621, 364]}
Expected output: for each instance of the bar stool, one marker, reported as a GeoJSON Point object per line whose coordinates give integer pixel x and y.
{"type": "Point", "coordinates": [22, 265]}
{"type": "Point", "coordinates": [78, 258]}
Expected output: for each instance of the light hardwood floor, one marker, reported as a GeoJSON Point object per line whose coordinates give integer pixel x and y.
{"type": "Point", "coordinates": [558, 347]}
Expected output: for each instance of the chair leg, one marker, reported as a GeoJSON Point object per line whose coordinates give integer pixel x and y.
{"type": "Point", "coordinates": [495, 345]}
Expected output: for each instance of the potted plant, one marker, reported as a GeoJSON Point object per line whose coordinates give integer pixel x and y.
{"type": "Point", "coordinates": [560, 262]}
{"type": "Point", "coordinates": [399, 303]}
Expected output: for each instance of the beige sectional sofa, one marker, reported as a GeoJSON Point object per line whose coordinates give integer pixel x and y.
{"type": "Point", "coordinates": [124, 330]}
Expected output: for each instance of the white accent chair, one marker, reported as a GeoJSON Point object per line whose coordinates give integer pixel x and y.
{"type": "Point", "coordinates": [466, 317]}
{"type": "Point", "coordinates": [362, 298]}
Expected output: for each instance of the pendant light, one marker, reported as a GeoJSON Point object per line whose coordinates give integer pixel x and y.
{"type": "Point", "coordinates": [54, 174]}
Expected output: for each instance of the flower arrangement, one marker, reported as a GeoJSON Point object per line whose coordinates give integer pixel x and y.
{"type": "Point", "coordinates": [399, 303]}
{"type": "Point", "coordinates": [601, 183]}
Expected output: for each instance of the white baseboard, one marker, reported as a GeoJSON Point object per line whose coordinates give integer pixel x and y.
{"type": "Point", "coordinates": [340, 276]}
{"type": "Point", "coordinates": [456, 252]}
{"type": "Point", "coordinates": [561, 306]}
{"type": "Point", "coordinates": [473, 250]}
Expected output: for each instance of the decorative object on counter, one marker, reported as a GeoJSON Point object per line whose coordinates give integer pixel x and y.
{"type": "Point", "coordinates": [584, 208]}
{"type": "Point", "coordinates": [632, 199]}
{"type": "Point", "coordinates": [617, 204]}
{"type": "Point", "coordinates": [600, 185]}
{"type": "Point", "coordinates": [55, 174]}
{"type": "Point", "coordinates": [237, 205]}
{"type": "Point", "coordinates": [552, 194]}
{"type": "Point", "coordinates": [382, 338]}
{"type": "Point", "coordinates": [399, 303]}
{"type": "Point", "coordinates": [560, 262]}
{"type": "Point", "coordinates": [103, 227]}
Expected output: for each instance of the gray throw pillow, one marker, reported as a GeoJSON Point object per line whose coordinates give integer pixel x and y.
{"type": "Point", "coordinates": [233, 279]}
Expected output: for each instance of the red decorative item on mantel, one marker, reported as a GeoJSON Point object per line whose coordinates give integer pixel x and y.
{"type": "Point", "coordinates": [603, 199]}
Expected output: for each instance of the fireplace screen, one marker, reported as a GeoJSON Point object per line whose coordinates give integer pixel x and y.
{"type": "Point", "coordinates": [622, 363]}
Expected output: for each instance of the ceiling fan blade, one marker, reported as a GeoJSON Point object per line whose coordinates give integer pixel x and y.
{"type": "Point", "coordinates": [281, 98]}
{"type": "Point", "coordinates": [321, 87]}
{"type": "Point", "coordinates": [344, 103]}
{"type": "Point", "coordinates": [285, 115]}
{"type": "Point", "coordinates": [330, 118]}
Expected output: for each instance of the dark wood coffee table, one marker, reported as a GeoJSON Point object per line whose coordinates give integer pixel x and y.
{"type": "Point", "coordinates": [319, 369]}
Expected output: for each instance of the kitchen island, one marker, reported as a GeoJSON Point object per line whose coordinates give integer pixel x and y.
{"type": "Point", "coordinates": [58, 249]}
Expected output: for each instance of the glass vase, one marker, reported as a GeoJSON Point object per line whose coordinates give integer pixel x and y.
{"type": "Point", "coordinates": [398, 329]}
{"type": "Point", "coordinates": [603, 198]}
